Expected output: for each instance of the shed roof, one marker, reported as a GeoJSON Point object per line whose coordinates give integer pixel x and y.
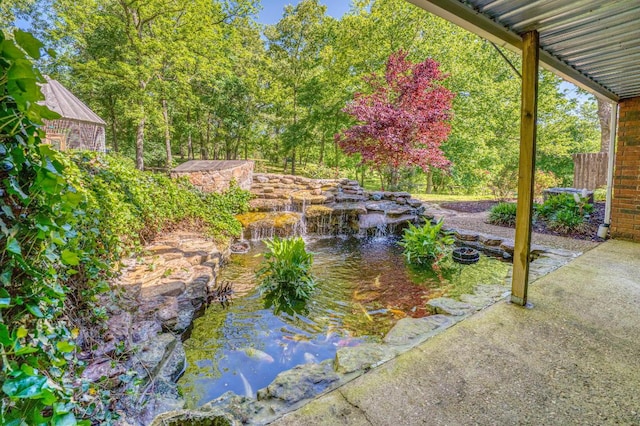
{"type": "Point", "coordinates": [61, 100]}
{"type": "Point", "coordinates": [595, 44]}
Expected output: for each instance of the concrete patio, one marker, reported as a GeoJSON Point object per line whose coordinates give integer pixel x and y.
{"type": "Point", "coordinates": [573, 359]}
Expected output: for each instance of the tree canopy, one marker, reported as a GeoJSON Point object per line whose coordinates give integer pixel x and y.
{"type": "Point", "coordinates": [203, 79]}
{"type": "Point", "coordinates": [403, 121]}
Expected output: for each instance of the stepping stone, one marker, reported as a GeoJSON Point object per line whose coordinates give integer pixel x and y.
{"type": "Point", "coordinates": [448, 306]}
{"type": "Point", "coordinates": [362, 357]}
{"type": "Point", "coordinates": [414, 330]}
{"type": "Point", "coordinates": [466, 235]}
{"type": "Point", "coordinates": [301, 382]}
{"type": "Point", "coordinates": [477, 301]}
{"type": "Point", "coordinates": [489, 240]}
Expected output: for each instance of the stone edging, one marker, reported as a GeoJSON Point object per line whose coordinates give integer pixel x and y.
{"type": "Point", "coordinates": [160, 294]}
{"type": "Point", "coordinates": [293, 388]}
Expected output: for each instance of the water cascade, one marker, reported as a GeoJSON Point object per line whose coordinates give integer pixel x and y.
{"type": "Point", "coordinates": [285, 205]}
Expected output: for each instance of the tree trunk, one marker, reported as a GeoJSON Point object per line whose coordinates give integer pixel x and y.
{"type": "Point", "coordinates": [430, 182]}
{"type": "Point", "coordinates": [209, 133]}
{"type": "Point", "coordinates": [604, 116]}
{"type": "Point", "coordinates": [189, 141]}
{"type": "Point", "coordinates": [140, 139]}
{"type": "Point", "coordinates": [114, 131]}
{"type": "Point", "coordinates": [293, 161]}
{"type": "Point", "coordinates": [236, 148]}
{"type": "Point", "coordinates": [167, 132]}
{"type": "Point", "coordinates": [322, 142]}
{"type": "Point", "coordinates": [203, 150]}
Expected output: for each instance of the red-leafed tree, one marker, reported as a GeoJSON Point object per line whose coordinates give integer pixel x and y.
{"type": "Point", "coordinates": [403, 121]}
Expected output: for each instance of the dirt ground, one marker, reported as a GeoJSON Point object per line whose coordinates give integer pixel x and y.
{"type": "Point", "coordinates": [472, 215]}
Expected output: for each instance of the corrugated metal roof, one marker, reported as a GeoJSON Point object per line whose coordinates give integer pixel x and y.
{"type": "Point", "coordinates": [599, 39]}
{"type": "Point", "coordinates": [62, 101]}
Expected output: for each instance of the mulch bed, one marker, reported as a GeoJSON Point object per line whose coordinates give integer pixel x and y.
{"type": "Point", "coordinates": [469, 206]}
{"type": "Point", "coordinates": [587, 233]}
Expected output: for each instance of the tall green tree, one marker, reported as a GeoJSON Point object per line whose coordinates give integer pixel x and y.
{"type": "Point", "coordinates": [295, 44]}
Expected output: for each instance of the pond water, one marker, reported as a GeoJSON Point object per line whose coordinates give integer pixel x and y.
{"type": "Point", "coordinates": [363, 289]}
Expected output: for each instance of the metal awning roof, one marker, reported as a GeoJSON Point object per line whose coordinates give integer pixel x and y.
{"type": "Point", "coordinates": [595, 44]}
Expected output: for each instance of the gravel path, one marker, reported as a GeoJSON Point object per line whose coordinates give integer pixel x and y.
{"type": "Point", "coordinates": [477, 222]}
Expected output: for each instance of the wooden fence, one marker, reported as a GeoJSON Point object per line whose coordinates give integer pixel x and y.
{"type": "Point", "coordinates": [590, 170]}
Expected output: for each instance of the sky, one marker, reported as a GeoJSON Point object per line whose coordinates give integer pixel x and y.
{"type": "Point", "coordinates": [272, 10]}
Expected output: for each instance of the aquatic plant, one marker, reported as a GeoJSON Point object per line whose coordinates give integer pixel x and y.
{"type": "Point", "coordinates": [285, 276]}
{"type": "Point", "coordinates": [426, 245]}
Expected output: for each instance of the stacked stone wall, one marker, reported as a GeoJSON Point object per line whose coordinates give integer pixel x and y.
{"type": "Point", "coordinates": [218, 180]}
{"type": "Point", "coordinates": [285, 205]}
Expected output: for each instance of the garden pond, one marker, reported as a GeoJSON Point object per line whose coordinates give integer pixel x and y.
{"type": "Point", "coordinates": [363, 288]}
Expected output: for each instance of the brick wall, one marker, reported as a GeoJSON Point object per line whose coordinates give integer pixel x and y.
{"type": "Point", "coordinates": [625, 209]}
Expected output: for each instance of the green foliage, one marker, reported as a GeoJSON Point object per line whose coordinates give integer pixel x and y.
{"type": "Point", "coordinates": [600, 194]}
{"type": "Point", "coordinates": [135, 205]}
{"type": "Point", "coordinates": [41, 213]}
{"type": "Point", "coordinates": [64, 221]}
{"type": "Point", "coordinates": [426, 245]}
{"type": "Point", "coordinates": [572, 202]}
{"type": "Point", "coordinates": [318, 171]}
{"type": "Point", "coordinates": [566, 221]}
{"type": "Point", "coordinates": [503, 182]}
{"type": "Point", "coordinates": [544, 180]}
{"type": "Point", "coordinates": [565, 212]}
{"type": "Point", "coordinates": [285, 278]}
{"type": "Point", "coordinates": [503, 214]}
{"type": "Point", "coordinates": [204, 80]}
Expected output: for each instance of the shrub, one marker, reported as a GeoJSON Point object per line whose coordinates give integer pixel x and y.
{"type": "Point", "coordinates": [135, 205]}
{"type": "Point", "coordinates": [566, 221]}
{"type": "Point", "coordinates": [503, 182]}
{"type": "Point", "coordinates": [565, 212]}
{"type": "Point", "coordinates": [600, 194]}
{"type": "Point", "coordinates": [285, 277]}
{"type": "Point", "coordinates": [318, 171]}
{"type": "Point", "coordinates": [425, 245]}
{"type": "Point", "coordinates": [557, 203]}
{"type": "Point", "coordinates": [503, 214]}
{"type": "Point", "coordinates": [544, 180]}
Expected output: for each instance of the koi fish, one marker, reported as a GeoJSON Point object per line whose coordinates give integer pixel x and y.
{"type": "Point", "coordinates": [397, 313]}
{"type": "Point", "coordinates": [364, 311]}
{"type": "Point", "coordinates": [310, 358]}
{"type": "Point", "coordinates": [257, 354]}
{"type": "Point", "coordinates": [297, 338]}
{"type": "Point", "coordinates": [248, 391]}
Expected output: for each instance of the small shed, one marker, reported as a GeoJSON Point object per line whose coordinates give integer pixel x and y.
{"type": "Point", "coordinates": [78, 127]}
{"type": "Point", "coordinates": [216, 175]}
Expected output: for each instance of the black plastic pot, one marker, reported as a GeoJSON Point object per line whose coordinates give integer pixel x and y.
{"type": "Point", "coordinates": [465, 255]}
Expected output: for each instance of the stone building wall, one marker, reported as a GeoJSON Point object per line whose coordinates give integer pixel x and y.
{"type": "Point", "coordinates": [625, 209]}
{"type": "Point", "coordinates": [214, 175]}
